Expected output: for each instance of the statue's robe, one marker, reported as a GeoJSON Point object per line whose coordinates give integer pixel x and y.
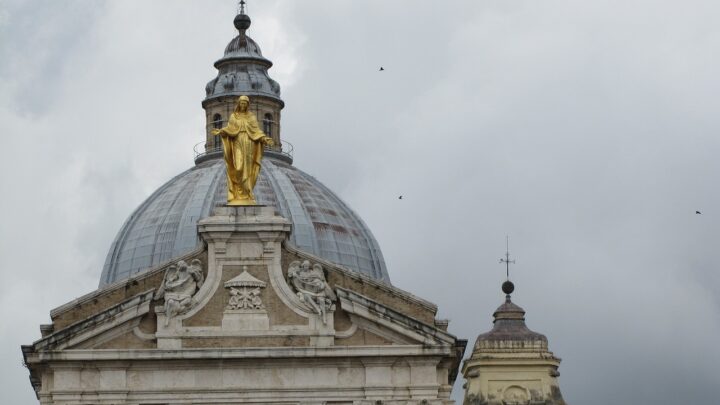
{"type": "Point", "coordinates": [243, 151]}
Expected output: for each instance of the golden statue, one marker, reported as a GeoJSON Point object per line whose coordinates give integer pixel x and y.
{"type": "Point", "coordinates": [243, 143]}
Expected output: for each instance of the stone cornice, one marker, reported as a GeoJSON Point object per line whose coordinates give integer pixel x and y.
{"type": "Point", "coordinates": [241, 353]}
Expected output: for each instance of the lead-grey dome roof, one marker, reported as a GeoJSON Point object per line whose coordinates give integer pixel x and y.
{"type": "Point", "coordinates": [165, 225]}
{"type": "Point", "coordinates": [508, 327]}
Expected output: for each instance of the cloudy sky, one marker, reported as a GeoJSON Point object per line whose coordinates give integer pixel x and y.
{"type": "Point", "coordinates": [587, 131]}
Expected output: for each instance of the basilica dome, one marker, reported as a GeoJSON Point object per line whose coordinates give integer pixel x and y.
{"type": "Point", "coordinates": [165, 225]}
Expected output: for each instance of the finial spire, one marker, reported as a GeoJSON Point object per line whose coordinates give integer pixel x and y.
{"type": "Point", "coordinates": [507, 287]}
{"type": "Point", "coordinates": [507, 260]}
{"type": "Point", "coordinates": [242, 20]}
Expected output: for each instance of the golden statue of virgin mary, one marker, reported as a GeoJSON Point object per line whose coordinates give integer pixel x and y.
{"type": "Point", "coordinates": [243, 143]}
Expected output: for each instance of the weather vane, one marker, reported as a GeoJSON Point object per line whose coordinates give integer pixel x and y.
{"type": "Point", "coordinates": [241, 6]}
{"type": "Point", "coordinates": [507, 260]}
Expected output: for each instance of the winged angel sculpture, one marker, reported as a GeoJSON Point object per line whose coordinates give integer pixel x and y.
{"type": "Point", "coordinates": [311, 287]}
{"type": "Point", "coordinates": [181, 282]}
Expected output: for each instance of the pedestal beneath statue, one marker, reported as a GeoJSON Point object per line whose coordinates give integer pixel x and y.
{"type": "Point", "coordinates": [249, 232]}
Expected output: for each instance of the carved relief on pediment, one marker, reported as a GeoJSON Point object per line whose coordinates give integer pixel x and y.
{"type": "Point", "coordinates": [245, 309]}
{"type": "Point", "coordinates": [245, 292]}
{"type": "Point", "coordinates": [179, 286]}
{"type": "Point", "coordinates": [312, 289]}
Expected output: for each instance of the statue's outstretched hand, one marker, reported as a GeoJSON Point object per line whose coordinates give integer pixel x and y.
{"type": "Point", "coordinates": [216, 132]}
{"type": "Point", "coordinates": [267, 141]}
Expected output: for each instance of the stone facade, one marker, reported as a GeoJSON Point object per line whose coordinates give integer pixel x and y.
{"type": "Point", "coordinates": [246, 319]}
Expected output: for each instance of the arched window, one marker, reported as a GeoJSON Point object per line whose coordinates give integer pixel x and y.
{"type": "Point", "coordinates": [217, 123]}
{"type": "Point", "coordinates": [268, 124]}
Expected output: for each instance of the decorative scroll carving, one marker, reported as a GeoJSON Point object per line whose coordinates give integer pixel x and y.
{"type": "Point", "coordinates": [180, 284]}
{"type": "Point", "coordinates": [245, 292]}
{"type": "Point", "coordinates": [312, 288]}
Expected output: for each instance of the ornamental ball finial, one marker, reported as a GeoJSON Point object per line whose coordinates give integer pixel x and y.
{"type": "Point", "coordinates": [508, 287]}
{"type": "Point", "coordinates": [242, 22]}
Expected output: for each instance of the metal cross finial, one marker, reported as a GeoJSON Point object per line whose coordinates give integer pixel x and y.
{"type": "Point", "coordinates": [242, 7]}
{"type": "Point", "coordinates": [507, 260]}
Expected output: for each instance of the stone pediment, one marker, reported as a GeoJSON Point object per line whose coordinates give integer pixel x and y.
{"type": "Point", "coordinates": [364, 313]}
{"type": "Point", "coordinates": [254, 291]}
{"type": "Point", "coordinates": [246, 293]}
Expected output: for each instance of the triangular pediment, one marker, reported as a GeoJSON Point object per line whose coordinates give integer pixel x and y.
{"type": "Point", "coordinates": [244, 298]}
{"type": "Point", "coordinates": [369, 312]}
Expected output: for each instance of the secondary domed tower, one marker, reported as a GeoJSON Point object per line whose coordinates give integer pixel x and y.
{"type": "Point", "coordinates": [242, 70]}
{"type": "Point", "coordinates": [511, 364]}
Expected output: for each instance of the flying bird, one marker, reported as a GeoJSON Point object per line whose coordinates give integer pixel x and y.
{"type": "Point", "coordinates": [698, 212]}
{"type": "Point", "coordinates": [400, 198]}
{"type": "Point", "coordinates": [382, 68]}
